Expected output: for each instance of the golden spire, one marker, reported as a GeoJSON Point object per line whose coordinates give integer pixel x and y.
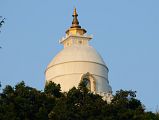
{"type": "Point", "coordinates": [75, 28]}
{"type": "Point", "coordinates": [75, 23]}
{"type": "Point", "coordinates": [75, 12]}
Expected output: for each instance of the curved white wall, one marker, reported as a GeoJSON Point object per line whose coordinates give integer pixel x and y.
{"type": "Point", "coordinates": [69, 74]}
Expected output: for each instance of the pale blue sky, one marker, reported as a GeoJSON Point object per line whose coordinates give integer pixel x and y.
{"type": "Point", "coordinates": [126, 34]}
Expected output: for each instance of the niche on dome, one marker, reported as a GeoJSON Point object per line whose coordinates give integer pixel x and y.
{"type": "Point", "coordinates": [89, 81]}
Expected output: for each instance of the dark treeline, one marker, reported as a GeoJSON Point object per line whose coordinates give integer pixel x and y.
{"type": "Point", "coordinates": [26, 103]}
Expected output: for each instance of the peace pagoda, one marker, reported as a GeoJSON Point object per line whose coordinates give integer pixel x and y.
{"type": "Point", "coordinates": [79, 61]}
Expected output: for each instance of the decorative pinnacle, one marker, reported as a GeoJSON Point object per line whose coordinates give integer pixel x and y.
{"type": "Point", "coordinates": [75, 27]}
{"type": "Point", "coordinates": [75, 23]}
{"type": "Point", "coordinates": [75, 12]}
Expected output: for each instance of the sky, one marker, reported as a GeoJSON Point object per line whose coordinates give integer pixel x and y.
{"type": "Point", "coordinates": [125, 33]}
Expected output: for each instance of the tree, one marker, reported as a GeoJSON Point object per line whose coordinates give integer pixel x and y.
{"type": "Point", "coordinates": [1, 21]}
{"type": "Point", "coordinates": [22, 102]}
{"type": "Point", "coordinates": [77, 104]}
{"type": "Point", "coordinates": [125, 106]}
{"type": "Point", "coordinates": [53, 89]}
{"type": "Point", "coordinates": [0, 85]}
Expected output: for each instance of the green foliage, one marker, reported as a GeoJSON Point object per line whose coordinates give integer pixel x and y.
{"type": "Point", "coordinates": [26, 103]}
{"type": "Point", "coordinates": [53, 89]}
{"type": "Point", "coordinates": [126, 100]}
{"type": "Point", "coordinates": [1, 21]}
{"type": "Point", "coordinates": [77, 105]}
{"type": "Point", "coordinates": [0, 85]}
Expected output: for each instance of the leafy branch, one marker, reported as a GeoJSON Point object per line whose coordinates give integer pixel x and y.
{"type": "Point", "coordinates": [2, 21]}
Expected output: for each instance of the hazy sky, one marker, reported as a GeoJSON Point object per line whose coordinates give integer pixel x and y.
{"type": "Point", "coordinates": [126, 34]}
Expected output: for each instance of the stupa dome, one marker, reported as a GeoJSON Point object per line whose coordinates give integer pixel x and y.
{"type": "Point", "coordinates": [77, 53]}
{"type": "Point", "coordinates": [78, 61]}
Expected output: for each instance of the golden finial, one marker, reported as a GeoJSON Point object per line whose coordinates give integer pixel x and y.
{"type": "Point", "coordinates": [75, 23]}
{"type": "Point", "coordinates": [75, 12]}
{"type": "Point", "coordinates": [75, 28]}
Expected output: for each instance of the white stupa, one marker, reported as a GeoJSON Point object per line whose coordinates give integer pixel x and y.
{"type": "Point", "coordinates": [77, 62]}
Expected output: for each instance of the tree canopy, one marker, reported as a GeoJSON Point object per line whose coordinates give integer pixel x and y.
{"type": "Point", "coordinates": [1, 23]}
{"type": "Point", "coordinates": [22, 102]}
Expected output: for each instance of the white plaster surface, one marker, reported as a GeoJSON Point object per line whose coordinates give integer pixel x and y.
{"type": "Point", "coordinates": [75, 60]}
